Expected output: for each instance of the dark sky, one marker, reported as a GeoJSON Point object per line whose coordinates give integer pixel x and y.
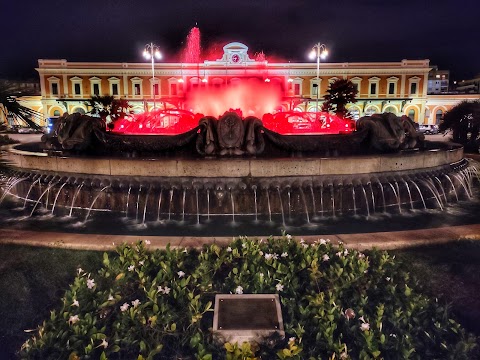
{"type": "Point", "coordinates": [446, 32]}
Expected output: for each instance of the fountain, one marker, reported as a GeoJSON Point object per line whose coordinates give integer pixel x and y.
{"type": "Point", "coordinates": [270, 168]}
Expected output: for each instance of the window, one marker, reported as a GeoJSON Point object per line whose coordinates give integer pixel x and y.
{"type": "Point", "coordinates": [54, 88]}
{"type": "Point", "coordinates": [391, 89]}
{"type": "Point", "coordinates": [413, 88]}
{"type": "Point", "coordinates": [96, 89]}
{"type": "Point", "coordinates": [411, 114]}
{"type": "Point", "coordinates": [315, 90]}
{"type": "Point", "coordinates": [173, 89]}
{"type": "Point", "coordinates": [438, 116]}
{"type": "Point", "coordinates": [136, 88]}
{"type": "Point", "coordinates": [114, 86]}
{"type": "Point", "coordinates": [155, 89]}
{"type": "Point", "coordinates": [373, 86]}
{"type": "Point", "coordinates": [56, 113]}
{"type": "Point", "coordinates": [296, 89]}
{"type": "Point", "coordinates": [315, 87]}
{"type": "Point", "coordinates": [77, 90]}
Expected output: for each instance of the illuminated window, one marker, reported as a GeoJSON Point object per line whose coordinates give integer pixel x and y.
{"type": "Point", "coordinates": [56, 113]}
{"type": "Point", "coordinates": [438, 116]}
{"type": "Point", "coordinates": [136, 88]}
{"type": "Point", "coordinates": [95, 88]}
{"type": "Point", "coordinates": [373, 86]}
{"type": "Point", "coordinates": [76, 86]}
{"type": "Point", "coordinates": [413, 88]}
{"type": "Point", "coordinates": [411, 114]}
{"type": "Point", "coordinates": [55, 89]}
{"type": "Point", "coordinates": [114, 89]}
{"type": "Point", "coordinates": [414, 85]}
{"type": "Point", "coordinates": [114, 86]}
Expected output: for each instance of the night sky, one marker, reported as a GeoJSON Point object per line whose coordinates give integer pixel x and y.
{"type": "Point", "coordinates": [446, 32]}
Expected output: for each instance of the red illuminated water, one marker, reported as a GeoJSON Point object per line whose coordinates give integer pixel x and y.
{"type": "Point", "coordinates": [253, 96]}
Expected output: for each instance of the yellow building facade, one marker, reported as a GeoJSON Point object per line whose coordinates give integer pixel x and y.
{"type": "Point", "coordinates": [398, 87]}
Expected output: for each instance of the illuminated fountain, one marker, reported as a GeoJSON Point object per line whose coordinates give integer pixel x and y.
{"type": "Point", "coordinates": [230, 157]}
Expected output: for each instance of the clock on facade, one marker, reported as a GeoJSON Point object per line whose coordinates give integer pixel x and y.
{"type": "Point", "coordinates": [235, 58]}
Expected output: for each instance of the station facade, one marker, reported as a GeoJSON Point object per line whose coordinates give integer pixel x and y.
{"type": "Point", "coordinates": [397, 87]}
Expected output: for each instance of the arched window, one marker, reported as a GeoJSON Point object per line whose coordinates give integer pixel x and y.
{"type": "Point", "coordinates": [370, 111]}
{"type": "Point", "coordinates": [391, 109]}
{"type": "Point", "coordinates": [56, 113]}
{"type": "Point", "coordinates": [79, 110]}
{"type": "Point", "coordinates": [438, 116]}
{"type": "Point", "coordinates": [411, 114]}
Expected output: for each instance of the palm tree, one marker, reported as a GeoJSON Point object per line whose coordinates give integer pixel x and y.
{"type": "Point", "coordinates": [464, 121]}
{"type": "Point", "coordinates": [10, 93]}
{"type": "Point", "coordinates": [340, 93]}
{"type": "Point", "coordinates": [107, 106]}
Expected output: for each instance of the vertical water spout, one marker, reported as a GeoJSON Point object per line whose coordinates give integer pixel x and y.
{"type": "Point", "coordinates": [138, 201]}
{"type": "Point", "coordinates": [313, 200]}
{"type": "Point", "coordinates": [281, 204]}
{"type": "Point", "coordinates": [429, 187]}
{"type": "Point", "coordinates": [56, 196]}
{"type": "Point", "coordinates": [332, 194]}
{"type": "Point", "coordinates": [354, 201]}
{"type": "Point", "coordinates": [159, 203]}
{"type": "Point", "coordinates": [383, 196]}
{"type": "Point", "coordinates": [79, 187]}
{"type": "Point", "coordinates": [321, 199]}
{"type": "Point", "coordinates": [420, 193]}
{"type": "Point", "coordinates": [145, 207]}
{"type": "Point", "coordinates": [170, 204]}
{"type": "Point", "coordinates": [366, 201]}
{"type": "Point", "coordinates": [305, 204]}
{"type": "Point", "coordinates": [254, 188]}
{"type": "Point", "coordinates": [233, 205]}
{"type": "Point", "coordinates": [453, 186]}
{"type": "Point", "coordinates": [268, 203]}
{"type": "Point", "coordinates": [373, 196]}
{"type": "Point", "coordinates": [183, 203]}
{"type": "Point", "coordinates": [397, 197]}
{"type": "Point", "coordinates": [28, 193]}
{"type": "Point", "coordinates": [409, 193]}
{"type": "Point", "coordinates": [93, 202]}
{"type": "Point", "coordinates": [198, 209]}
{"type": "Point", "coordinates": [208, 204]}
{"type": "Point", "coordinates": [128, 198]}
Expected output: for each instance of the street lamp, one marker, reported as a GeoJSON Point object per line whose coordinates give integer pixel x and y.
{"type": "Point", "coordinates": [319, 51]}
{"type": "Point", "coordinates": [152, 52]}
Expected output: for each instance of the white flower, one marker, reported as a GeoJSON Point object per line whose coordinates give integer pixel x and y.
{"type": "Point", "coordinates": [302, 241]}
{"type": "Point", "coordinates": [73, 319]}
{"type": "Point", "coordinates": [339, 254]}
{"type": "Point", "coordinates": [124, 307]}
{"type": "Point", "coordinates": [393, 335]}
{"type": "Point", "coordinates": [261, 275]}
{"type": "Point", "coordinates": [110, 298]}
{"type": "Point", "coordinates": [141, 262]}
{"type": "Point", "coordinates": [325, 257]}
{"type": "Point", "coordinates": [166, 290]}
{"type": "Point", "coordinates": [229, 249]}
{"type": "Point", "coordinates": [148, 242]}
{"type": "Point", "coordinates": [345, 252]}
{"type": "Point", "coordinates": [361, 255]}
{"type": "Point", "coordinates": [104, 343]}
{"type": "Point", "coordinates": [79, 270]}
{"type": "Point", "coordinates": [275, 256]}
{"type": "Point", "coordinates": [75, 302]}
{"type": "Point", "coordinates": [261, 253]}
{"type": "Point", "coordinates": [388, 278]}
{"type": "Point", "coordinates": [289, 237]}
{"type": "Point", "coordinates": [239, 290]}
{"type": "Point", "coordinates": [268, 256]}
{"type": "Point", "coordinates": [323, 242]}
{"type": "Point", "coordinates": [279, 287]}
{"type": "Point", "coordinates": [340, 243]}
{"type": "Point", "coordinates": [365, 326]}
{"type": "Point", "coordinates": [135, 303]}
{"type": "Point", "coordinates": [180, 273]}
{"type": "Point", "coordinates": [244, 245]}
{"type": "Point", "coordinates": [90, 283]}
{"type": "Point", "coordinates": [305, 246]}
{"type": "Point", "coordinates": [160, 290]}
{"type": "Point", "coordinates": [343, 355]}
{"type": "Point", "coordinates": [131, 268]}
{"type": "Point", "coordinates": [361, 319]}
{"type": "Point", "coordinates": [284, 255]}
{"type": "Point", "coordinates": [291, 340]}
{"type": "Point", "coordinates": [185, 251]}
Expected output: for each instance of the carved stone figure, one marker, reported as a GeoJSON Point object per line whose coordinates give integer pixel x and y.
{"type": "Point", "coordinates": [388, 132]}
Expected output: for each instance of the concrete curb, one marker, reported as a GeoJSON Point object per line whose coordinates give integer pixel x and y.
{"type": "Point", "coordinates": [379, 240]}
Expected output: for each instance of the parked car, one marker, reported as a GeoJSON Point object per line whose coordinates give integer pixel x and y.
{"type": "Point", "coordinates": [428, 129]}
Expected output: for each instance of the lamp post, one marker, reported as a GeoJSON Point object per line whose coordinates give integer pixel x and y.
{"type": "Point", "coordinates": [152, 52]}
{"type": "Point", "coordinates": [318, 51]}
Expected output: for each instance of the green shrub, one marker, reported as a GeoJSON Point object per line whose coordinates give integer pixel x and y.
{"type": "Point", "coordinates": [336, 304]}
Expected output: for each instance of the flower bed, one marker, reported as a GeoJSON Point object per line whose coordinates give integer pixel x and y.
{"type": "Point", "coordinates": [337, 303]}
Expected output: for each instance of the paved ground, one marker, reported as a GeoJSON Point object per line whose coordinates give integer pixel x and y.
{"type": "Point", "coordinates": [380, 240]}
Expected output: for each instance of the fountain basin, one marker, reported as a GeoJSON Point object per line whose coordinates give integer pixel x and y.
{"type": "Point", "coordinates": [284, 191]}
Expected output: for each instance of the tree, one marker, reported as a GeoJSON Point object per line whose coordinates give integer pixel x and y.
{"type": "Point", "coordinates": [10, 93]}
{"type": "Point", "coordinates": [340, 93]}
{"type": "Point", "coordinates": [464, 121]}
{"type": "Point", "coordinates": [108, 108]}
